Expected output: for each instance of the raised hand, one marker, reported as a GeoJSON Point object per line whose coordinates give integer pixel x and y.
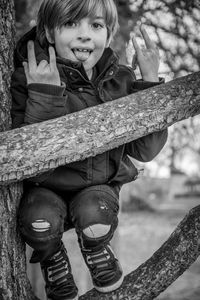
{"type": "Point", "coordinates": [44, 72]}
{"type": "Point", "coordinates": [148, 58]}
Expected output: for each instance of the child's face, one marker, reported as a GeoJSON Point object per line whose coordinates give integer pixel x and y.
{"type": "Point", "coordinates": [82, 41]}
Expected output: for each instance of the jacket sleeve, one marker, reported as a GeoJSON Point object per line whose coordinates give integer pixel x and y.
{"type": "Point", "coordinates": [136, 85]}
{"type": "Point", "coordinates": [36, 102]}
{"type": "Point", "coordinates": [146, 148]}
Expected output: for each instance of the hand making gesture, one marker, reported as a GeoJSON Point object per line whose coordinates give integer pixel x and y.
{"type": "Point", "coordinates": [44, 72]}
{"type": "Point", "coordinates": [148, 58]}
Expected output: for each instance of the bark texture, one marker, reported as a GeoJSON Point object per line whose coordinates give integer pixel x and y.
{"type": "Point", "coordinates": [164, 267]}
{"type": "Point", "coordinates": [13, 280]}
{"type": "Point", "coordinates": [14, 284]}
{"type": "Point", "coordinates": [33, 149]}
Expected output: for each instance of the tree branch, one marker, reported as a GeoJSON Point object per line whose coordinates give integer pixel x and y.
{"type": "Point", "coordinates": [169, 262]}
{"type": "Point", "coordinates": [33, 149]}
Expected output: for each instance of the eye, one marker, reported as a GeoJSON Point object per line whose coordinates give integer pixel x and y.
{"type": "Point", "coordinates": [70, 24]}
{"type": "Point", "coordinates": [97, 25]}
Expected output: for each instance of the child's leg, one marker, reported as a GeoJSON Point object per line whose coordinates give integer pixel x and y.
{"type": "Point", "coordinates": [41, 220]}
{"type": "Point", "coordinates": [94, 213]}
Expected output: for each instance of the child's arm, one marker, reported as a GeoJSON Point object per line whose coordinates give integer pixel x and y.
{"type": "Point", "coordinates": [42, 99]}
{"type": "Point", "coordinates": [146, 148]}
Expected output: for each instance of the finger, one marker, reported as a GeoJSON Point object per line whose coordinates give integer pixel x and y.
{"type": "Point", "coordinates": [25, 65]}
{"type": "Point", "coordinates": [26, 71]}
{"type": "Point", "coordinates": [52, 58]}
{"type": "Point", "coordinates": [134, 62]}
{"type": "Point", "coordinates": [32, 64]}
{"type": "Point", "coordinates": [135, 45]}
{"type": "Point", "coordinates": [148, 42]}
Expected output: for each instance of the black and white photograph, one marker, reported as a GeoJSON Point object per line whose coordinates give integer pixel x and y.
{"type": "Point", "coordinates": [99, 150]}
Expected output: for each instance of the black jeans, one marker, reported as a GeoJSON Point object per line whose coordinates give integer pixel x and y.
{"type": "Point", "coordinates": [45, 214]}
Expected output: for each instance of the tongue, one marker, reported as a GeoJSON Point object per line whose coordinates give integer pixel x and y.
{"type": "Point", "coordinates": [80, 55]}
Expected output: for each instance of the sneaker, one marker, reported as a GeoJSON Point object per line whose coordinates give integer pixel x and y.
{"type": "Point", "coordinates": [105, 269]}
{"type": "Point", "coordinates": [59, 280]}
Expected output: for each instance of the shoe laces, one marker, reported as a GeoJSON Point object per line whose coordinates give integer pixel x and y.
{"type": "Point", "coordinates": [58, 270]}
{"type": "Point", "coordinates": [101, 263]}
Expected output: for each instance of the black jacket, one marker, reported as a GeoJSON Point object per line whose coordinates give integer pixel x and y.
{"type": "Point", "coordinates": [39, 102]}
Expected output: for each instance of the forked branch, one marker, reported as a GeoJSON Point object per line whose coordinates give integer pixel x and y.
{"type": "Point", "coordinates": [169, 262]}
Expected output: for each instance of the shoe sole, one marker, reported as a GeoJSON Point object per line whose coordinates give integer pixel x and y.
{"type": "Point", "coordinates": [110, 288]}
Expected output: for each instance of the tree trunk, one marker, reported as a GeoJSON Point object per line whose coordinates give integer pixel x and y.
{"type": "Point", "coordinates": [33, 149]}
{"type": "Point", "coordinates": [13, 280]}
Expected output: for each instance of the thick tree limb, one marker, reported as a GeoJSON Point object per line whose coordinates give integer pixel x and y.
{"type": "Point", "coordinates": [33, 149]}
{"type": "Point", "coordinates": [169, 262]}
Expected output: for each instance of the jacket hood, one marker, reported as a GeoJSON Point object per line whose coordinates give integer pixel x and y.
{"type": "Point", "coordinates": [108, 58]}
{"type": "Point", "coordinates": [20, 53]}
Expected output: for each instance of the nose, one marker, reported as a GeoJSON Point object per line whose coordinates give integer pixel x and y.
{"type": "Point", "coordinates": [84, 33]}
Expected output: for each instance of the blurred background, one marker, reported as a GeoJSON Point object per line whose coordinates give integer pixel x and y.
{"type": "Point", "coordinates": [169, 187]}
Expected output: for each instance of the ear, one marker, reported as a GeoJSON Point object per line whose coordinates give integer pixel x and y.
{"type": "Point", "coordinates": [49, 35]}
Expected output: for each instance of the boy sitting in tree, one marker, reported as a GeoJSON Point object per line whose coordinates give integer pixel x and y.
{"type": "Point", "coordinates": [64, 65]}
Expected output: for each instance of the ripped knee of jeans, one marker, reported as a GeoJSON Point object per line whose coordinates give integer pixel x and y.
{"type": "Point", "coordinates": [40, 225]}
{"type": "Point", "coordinates": [95, 235]}
{"type": "Point", "coordinates": [96, 230]}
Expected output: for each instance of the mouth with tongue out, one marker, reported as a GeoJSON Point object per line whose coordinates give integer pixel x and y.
{"type": "Point", "coordinates": [81, 54]}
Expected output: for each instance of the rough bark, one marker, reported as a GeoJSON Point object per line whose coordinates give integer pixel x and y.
{"type": "Point", "coordinates": [14, 284]}
{"type": "Point", "coordinates": [33, 149]}
{"type": "Point", "coordinates": [13, 280]}
{"type": "Point", "coordinates": [164, 267]}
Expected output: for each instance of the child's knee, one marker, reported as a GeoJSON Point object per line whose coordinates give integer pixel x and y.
{"type": "Point", "coordinates": [40, 219]}
{"type": "Point", "coordinates": [96, 230]}
{"type": "Point", "coordinates": [95, 219]}
{"type": "Point", "coordinates": [41, 229]}
{"type": "Point", "coordinates": [94, 206]}
{"type": "Point", "coordinates": [94, 213]}
{"type": "Point", "coordinates": [96, 235]}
